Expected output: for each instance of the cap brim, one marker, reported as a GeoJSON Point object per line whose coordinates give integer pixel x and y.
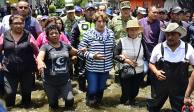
{"type": "Point", "coordinates": [144, 13]}
{"type": "Point", "coordinates": [126, 7]}
{"type": "Point", "coordinates": [70, 11]}
{"type": "Point", "coordinates": [90, 8]}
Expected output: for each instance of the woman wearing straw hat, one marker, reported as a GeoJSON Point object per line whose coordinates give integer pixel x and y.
{"type": "Point", "coordinates": [169, 63]}
{"type": "Point", "coordinates": [129, 51]}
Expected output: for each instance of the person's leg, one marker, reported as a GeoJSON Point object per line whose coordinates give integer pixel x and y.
{"type": "Point", "coordinates": [134, 87]}
{"type": "Point", "coordinates": [1, 84]}
{"type": "Point", "coordinates": [92, 87]}
{"type": "Point", "coordinates": [125, 85]}
{"type": "Point", "coordinates": [10, 86]}
{"type": "Point", "coordinates": [101, 80]}
{"type": "Point", "coordinates": [82, 75]}
{"type": "Point", "coordinates": [52, 94]}
{"type": "Point", "coordinates": [26, 82]}
{"type": "Point", "coordinates": [67, 94]}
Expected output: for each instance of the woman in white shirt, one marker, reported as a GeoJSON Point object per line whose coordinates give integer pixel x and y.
{"type": "Point", "coordinates": [129, 51]}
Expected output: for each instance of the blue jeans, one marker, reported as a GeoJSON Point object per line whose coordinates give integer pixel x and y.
{"type": "Point", "coordinates": [96, 81]}
{"type": "Point", "coordinates": [96, 84]}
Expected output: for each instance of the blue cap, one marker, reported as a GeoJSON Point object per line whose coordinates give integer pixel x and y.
{"type": "Point", "coordinates": [78, 9]}
{"type": "Point", "coordinates": [109, 11]}
{"type": "Point", "coordinates": [89, 5]}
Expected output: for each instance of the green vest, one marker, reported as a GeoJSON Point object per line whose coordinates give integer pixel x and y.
{"type": "Point", "coordinates": [83, 27]}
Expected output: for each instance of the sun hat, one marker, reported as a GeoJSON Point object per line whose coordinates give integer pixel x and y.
{"type": "Point", "coordinates": [125, 5]}
{"type": "Point", "coordinates": [134, 24]}
{"type": "Point", "coordinates": [174, 27]}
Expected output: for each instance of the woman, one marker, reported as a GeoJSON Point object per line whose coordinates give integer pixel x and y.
{"type": "Point", "coordinates": [99, 42]}
{"type": "Point", "coordinates": [129, 51]}
{"type": "Point", "coordinates": [18, 63]}
{"type": "Point", "coordinates": [42, 37]}
{"type": "Point", "coordinates": [53, 60]}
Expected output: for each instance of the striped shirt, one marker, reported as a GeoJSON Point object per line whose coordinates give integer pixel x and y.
{"type": "Point", "coordinates": [96, 42]}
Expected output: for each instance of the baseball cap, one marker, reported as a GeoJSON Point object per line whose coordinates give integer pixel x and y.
{"type": "Point", "coordinates": [78, 9]}
{"type": "Point", "coordinates": [141, 10]}
{"type": "Point", "coordinates": [109, 11]}
{"type": "Point", "coordinates": [163, 10]}
{"type": "Point", "coordinates": [69, 6]}
{"type": "Point", "coordinates": [125, 4]}
{"type": "Point", "coordinates": [89, 5]}
{"type": "Point", "coordinates": [44, 17]}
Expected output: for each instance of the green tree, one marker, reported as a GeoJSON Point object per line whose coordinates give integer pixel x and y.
{"type": "Point", "coordinates": [81, 3]}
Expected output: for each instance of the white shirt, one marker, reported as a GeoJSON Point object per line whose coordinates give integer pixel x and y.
{"type": "Point", "coordinates": [5, 23]}
{"type": "Point", "coordinates": [177, 56]}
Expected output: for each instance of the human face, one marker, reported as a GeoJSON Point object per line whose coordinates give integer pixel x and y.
{"type": "Point", "coordinates": [17, 25]}
{"type": "Point", "coordinates": [23, 8]}
{"type": "Point", "coordinates": [71, 16]}
{"type": "Point", "coordinates": [100, 24]}
{"type": "Point", "coordinates": [176, 17]}
{"type": "Point", "coordinates": [102, 9]}
{"type": "Point", "coordinates": [187, 17]}
{"type": "Point", "coordinates": [89, 13]}
{"type": "Point", "coordinates": [133, 32]}
{"type": "Point", "coordinates": [59, 24]}
{"type": "Point", "coordinates": [172, 38]}
{"type": "Point", "coordinates": [193, 17]}
{"type": "Point", "coordinates": [53, 36]}
{"type": "Point", "coordinates": [153, 13]}
{"type": "Point", "coordinates": [125, 13]}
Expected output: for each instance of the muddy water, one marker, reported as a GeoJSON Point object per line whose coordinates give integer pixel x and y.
{"type": "Point", "coordinates": [110, 102]}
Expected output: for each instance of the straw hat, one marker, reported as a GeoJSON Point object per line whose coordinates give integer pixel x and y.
{"type": "Point", "coordinates": [134, 24]}
{"type": "Point", "coordinates": [174, 27]}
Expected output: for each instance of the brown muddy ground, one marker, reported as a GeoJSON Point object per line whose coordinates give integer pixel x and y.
{"type": "Point", "coordinates": [110, 102]}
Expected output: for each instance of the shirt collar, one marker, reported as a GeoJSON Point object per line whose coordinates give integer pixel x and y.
{"type": "Point", "coordinates": [182, 45]}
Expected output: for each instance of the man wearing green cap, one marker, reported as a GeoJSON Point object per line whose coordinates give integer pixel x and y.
{"type": "Point", "coordinates": [119, 22]}
{"type": "Point", "coordinates": [70, 19]}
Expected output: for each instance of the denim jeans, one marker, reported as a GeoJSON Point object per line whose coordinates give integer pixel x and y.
{"type": "Point", "coordinates": [96, 84]}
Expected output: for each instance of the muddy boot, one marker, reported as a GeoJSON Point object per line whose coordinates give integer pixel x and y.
{"type": "Point", "coordinates": [91, 101]}
{"type": "Point", "coordinates": [82, 83]}
{"type": "Point", "coordinates": [26, 100]}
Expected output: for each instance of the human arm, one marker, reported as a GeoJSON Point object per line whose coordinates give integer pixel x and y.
{"type": "Point", "coordinates": [75, 36]}
{"type": "Point", "coordinates": [40, 59]}
{"type": "Point", "coordinates": [34, 45]}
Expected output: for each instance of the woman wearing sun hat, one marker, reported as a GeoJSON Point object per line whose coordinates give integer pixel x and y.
{"type": "Point", "coordinates": [169, 63]}
{"type": "Point", "coordinates": [129, 51]}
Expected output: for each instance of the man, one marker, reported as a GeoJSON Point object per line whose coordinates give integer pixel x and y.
{"type": "Point", "coordinates": [175, 16]}
{"type": "Point", "coordinates": [163, 16]}
{"type": "Point", "coordinates": [191, 31]}
{"type": "Point", "coordinates": [151, 25]}
{"type": "Point", "coordinates": [141, 13]}
{"type": "Point", "coordinates": [70, 19]}
{"type": "Point", "coordinates": [187, 15]}
{"type": "Point", "coordinates": [31, 24]}
{"type": "Point", "coordinates": [78, 12]}
{"type": "Point", "coordinates": [169, 63]}
{"type": "Point", "coordinates": [120, 22]}
{"type": "Point", "coordinates": [5, 20]}
{"type": "Point", "coordinates": [77, 34]}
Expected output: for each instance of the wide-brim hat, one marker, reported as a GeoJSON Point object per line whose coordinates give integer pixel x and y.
{"type": "Point", "coordinates": [134, 24]}
{"type": "Point", "coordinates": [174, 27]}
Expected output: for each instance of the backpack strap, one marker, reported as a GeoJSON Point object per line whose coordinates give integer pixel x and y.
{"type": "Point", "coordinates": [186, 49]}
{"type": "Point", "coordinates": [162, 50]}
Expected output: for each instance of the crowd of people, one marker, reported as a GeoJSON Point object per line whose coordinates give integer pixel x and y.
{"type": "Point", "coordinates": [87, 43]}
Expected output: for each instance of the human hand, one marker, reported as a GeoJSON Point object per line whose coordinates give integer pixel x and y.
{"type": "Point", "coordinates": [41, 67]}
{"type": "Point", "coordinates": [83, 50]}
{"type": "Point", "coordinates": [159, 75]}
{"type": "Point", "coordinates": [187, 101]}
{"type": "Point", "coordinates": [131, 62]}
{"type": "Point", "coordinates": [74, 59]}
{"type": "Point", "coordinates": [98, 56]}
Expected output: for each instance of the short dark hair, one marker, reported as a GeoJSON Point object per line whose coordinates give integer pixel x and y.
{"type": "Point", "coordinates": [51, 27]}
{"type": "Point", "coordinates": [12, 17]}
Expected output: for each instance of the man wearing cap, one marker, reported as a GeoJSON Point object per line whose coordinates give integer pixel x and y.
{"type": "Point", "coordinates": [70, 19]}
{"type": "Point", "coordinates": [169, 63]}
{"type": "Point", "coordinates": [175, 16]}
{"type": "Point", "coordinates": [78, 30]}
{"type": "Point", "coordinates": [120, 22]}
{"type": "Point", "coordinates": [5, 20]}
{"type": "Point", "coordinates": [141, 13]}
{"type": "Point", "coordinates": [163, 16]}
{"type": "Point", "coordinates": [78, 12]}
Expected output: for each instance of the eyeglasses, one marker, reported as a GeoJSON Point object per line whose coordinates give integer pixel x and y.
{"type": "Point", "coordinates": [23, 7]}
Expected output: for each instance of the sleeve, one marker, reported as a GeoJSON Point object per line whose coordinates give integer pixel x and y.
{"type": "Point", "coordinates": [1, 42]}
{"type": "Point", "coordinates": [39, 40]}
{"type": "Point", "coordinates": [75, 35]}
{"type": "Point", "coordinates": [155, 53]}
{"type": "Point", "coordinates": [43, 48]}
{"type": "Point", "coordinates": [38, 27]}
{"type": "Point", "coordinates": [34, 45]}
{"type": "Point", "coordinates": [191, 54]}
{"type": "Point", "coordinates": [85, 43]}
{"type": "Point", "coordinates": [117, 52]}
